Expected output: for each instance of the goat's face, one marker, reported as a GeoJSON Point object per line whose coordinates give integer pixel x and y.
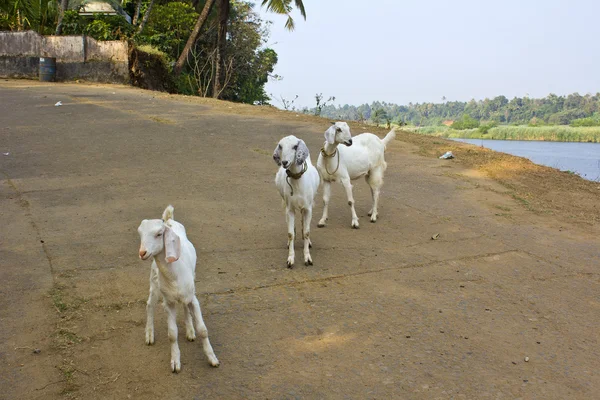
{"type": "Point", "coordinates": [151, 238]}
{"type": "Point", "coordinates": [290, 150]}
{"type": "Point", "coordinates": [338, 132]}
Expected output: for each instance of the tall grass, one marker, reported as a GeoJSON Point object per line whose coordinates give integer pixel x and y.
{"type": "Point", "coordinates": [558, 133]}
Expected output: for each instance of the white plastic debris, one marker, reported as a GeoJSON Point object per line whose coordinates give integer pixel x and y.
{"type": "Point", "coordinates": [58, 104]}
{"type": "Point", "coordinates": [447, 155]}
{"type": "Point", "coordinates": [6, 154]}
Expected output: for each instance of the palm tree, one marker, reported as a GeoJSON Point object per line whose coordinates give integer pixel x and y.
{"type": "Point", "coordinates": [146, 16]}
{"type": "Point", "coordinates": [276, 6]}
{"type": "Point", "coordinates": [193, 36]}
{"type": "Point", "coordinates": [285, 7]}
{"type": "Point", "coordinates": [64, 5]}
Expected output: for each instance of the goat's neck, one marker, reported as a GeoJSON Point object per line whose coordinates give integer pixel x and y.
{"type": "Point", "coordinates": [295, 168]}
{"type": "Point", "coordinates": [164, 267]}
{"type": "Point", "coordinates": [330, 148]}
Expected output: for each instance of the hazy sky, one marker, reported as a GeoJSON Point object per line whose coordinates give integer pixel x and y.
{"type": "Point", "coordinates": [405, 51]}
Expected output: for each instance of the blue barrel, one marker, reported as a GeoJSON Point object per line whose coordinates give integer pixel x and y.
{"type": "Point", "coordinates": [47, 69]}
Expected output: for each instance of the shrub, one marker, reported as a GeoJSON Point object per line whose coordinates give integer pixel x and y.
{"type": "Point", "coordinates": [589, 121]}
{"type": "Point", "coordinates": [466, 122]}
{"type": "Point", "coordinates": [100, 27]}
{"type": "Point", "coordinates": [484, 129]}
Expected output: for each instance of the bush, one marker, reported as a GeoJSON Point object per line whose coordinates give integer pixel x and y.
{"type": "Point", "coordinates": [466, 122]}
{"type": "Point", "coordinates": [100, 27]}
{"type": "Point", "coordinates": [589, 121]}
{"type": "Point", "coordinates": [484, 129]}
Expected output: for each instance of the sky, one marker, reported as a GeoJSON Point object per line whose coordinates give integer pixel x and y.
{"type": "Point", "coordinates": [402, 51]}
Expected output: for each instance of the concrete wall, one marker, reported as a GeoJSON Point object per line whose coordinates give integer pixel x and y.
{"type": "Point", "coordinates": [27, 43]}
{"type": "Point", "coordinates": [77, 57]}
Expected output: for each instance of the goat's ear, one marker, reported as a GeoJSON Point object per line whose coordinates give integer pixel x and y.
{"type": "Point", "coordinates": [301, 152]}
{"type": "Point", "coordinates": [277, 155]}
{"type": "Point", "coordinates": [172, 245]}
{"type": "Point", "coordinates": [330, 134]}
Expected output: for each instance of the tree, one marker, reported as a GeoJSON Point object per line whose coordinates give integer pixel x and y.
{"type": "Point", "coordinates": [146, 16]}
{"type": "Point", "coordinates": [276, 6]}
{"type": "Point", "coordinates": [193, 36]}
{"type": "Point", "coordinates": [64, 5]}
{"type": "Point", "coordinates": [285, 7]}
{"type": "Point", "coordinates": [223, 16]}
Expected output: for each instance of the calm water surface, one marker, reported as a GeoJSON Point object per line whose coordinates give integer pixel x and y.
{"type": "Point", "coordinates": [581, 158]}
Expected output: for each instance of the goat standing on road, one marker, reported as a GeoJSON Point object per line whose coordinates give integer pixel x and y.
{"type": "Point", "coordinates": [172, 277]}
{"type": "Point", "coordinates": [361, 156]}
{"type": "Point", "coordinates": [297, 181]}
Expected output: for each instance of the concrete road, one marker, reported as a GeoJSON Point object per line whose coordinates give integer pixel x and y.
{"type": "Point", "coordinates": [385, 312]}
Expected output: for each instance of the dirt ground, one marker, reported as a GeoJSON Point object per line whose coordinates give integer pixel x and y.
{"type": "Point", "coordinates": [385, 312]}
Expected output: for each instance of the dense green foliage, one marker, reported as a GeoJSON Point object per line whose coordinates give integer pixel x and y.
{"type": "Point", "coordinates": [465, 122]}
{"type": "Point", "coordinates": [19, 15]}
{"type": "Point", "coordinates": [100, 27]}
{"type": "Point", "coordinates": [594, 120]}
{"type": "Point", "coordinates": [245, 63]}
{"type": "Point", "coordinates": [552, 109]}
{"type": "Point", "coordinates": [169, 26]}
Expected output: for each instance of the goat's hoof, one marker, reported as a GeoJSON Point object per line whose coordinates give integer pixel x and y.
{"type": "Point", "coordinates": [308, 262]}
{"type": "Point", "coordinates": [290, 264]}
{"type": "Point", "coordinates": [355, 225]}
{"type": "Point", "coordinates": [191, 337]}
{"type": "Point", "coordinates": [321, 224]}
{"type": "Point", "coordinates": [370, 213]}
{"type": "Point", "coordinates": [373, 219]}
{"type": "Point", "coordinates": [175, 366]}
{"type": "Point", "coordinates": [149, 338]}
{"type": "Point", "coordinates": [212, 360]}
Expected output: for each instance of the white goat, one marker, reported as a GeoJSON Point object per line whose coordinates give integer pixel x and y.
{"type": "Point", "coordinates": [361, 156]}
{"type": "Point", "coordinates": [297, 181]}
{"type": "Point", "coordinates": [172, 277]}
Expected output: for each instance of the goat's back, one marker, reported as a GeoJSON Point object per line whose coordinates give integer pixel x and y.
{"type": "Point", "coordinates": [366, 152]}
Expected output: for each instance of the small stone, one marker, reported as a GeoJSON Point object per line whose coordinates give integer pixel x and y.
{"type": "Point", "coordinates": [408, 336]}
{"type": "Point", "coordinates": [526, 359]}
{"type": "Point", "coordinates": [37, 351]}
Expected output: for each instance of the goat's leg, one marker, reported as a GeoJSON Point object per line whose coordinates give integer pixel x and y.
{"type": "Point", "coordinates": [290, 217]}
{"type": "Point", "coordinates": [375, 181]}
{"type": "Point", "coordinates": [326, 197]}
{"type": "Point", "coordinates": [190, 333]}
{"type": "Point", "coordinates": [348, 186]}
{"type": "Point", "coordinates": [306, 217]}
{"type": "Point", "coordinates": [309, 242]}
{"type": "Point", "coordinates": [172, 322]}
{"type": "Point", "coordinates": [194, 307]}
{"type": "Point", "coordinates": [150, 304]}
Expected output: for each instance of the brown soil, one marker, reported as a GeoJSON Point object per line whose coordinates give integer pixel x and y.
{"type": "Point", "coordinates": [385, 312]}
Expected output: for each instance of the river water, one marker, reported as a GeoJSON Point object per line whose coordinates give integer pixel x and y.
{"type": "Point", "coordinates": [580, 158]}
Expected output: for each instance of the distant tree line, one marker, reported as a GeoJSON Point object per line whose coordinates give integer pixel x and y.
{"type": "Point", "coordinates": [550, 110]}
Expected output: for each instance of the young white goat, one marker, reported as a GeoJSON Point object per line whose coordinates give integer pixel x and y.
{"type": "Point", "coordinates": [361, 156]}
{"type": "Point", "coordinates": [172, 277]}
{"type": "Point", "coordinates": [297, 181]}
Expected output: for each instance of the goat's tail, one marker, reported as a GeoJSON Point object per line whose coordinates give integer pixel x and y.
{"type": "Point", "coordinates": [389, 137]}
{"type": "Point", "coordinates": [168, 213]}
